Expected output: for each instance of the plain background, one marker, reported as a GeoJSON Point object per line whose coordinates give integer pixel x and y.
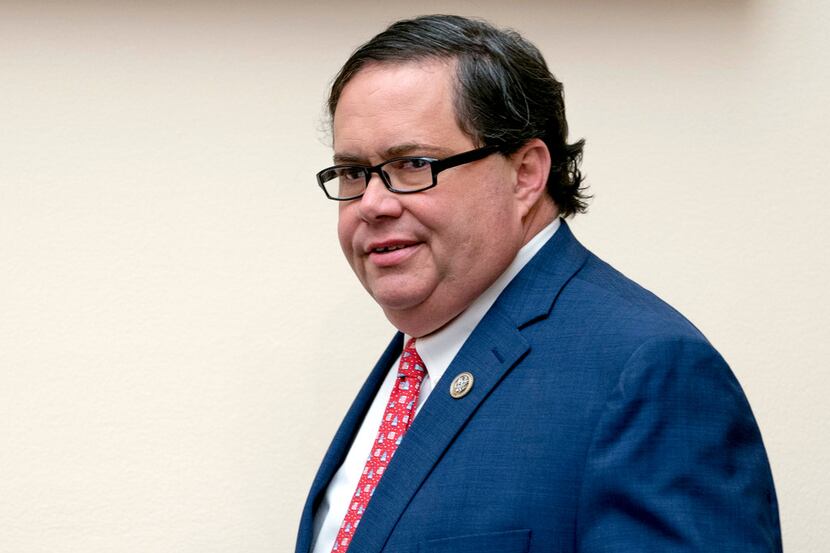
{"type": "Point", "coordinates": [179, 333]}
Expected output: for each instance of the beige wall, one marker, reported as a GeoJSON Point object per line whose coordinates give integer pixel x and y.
{"type": "Point", "coordinates": [170, 270]}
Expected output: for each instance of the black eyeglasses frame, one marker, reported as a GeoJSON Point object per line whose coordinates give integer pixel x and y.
{"type": "Point", "coordinates": [436, 166]}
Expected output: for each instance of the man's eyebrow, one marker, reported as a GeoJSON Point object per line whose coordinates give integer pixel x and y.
{"type": "Point", "coordinates": [349, 159]}
{"type": "Point", "coordinates": [406, 149]}
{"type": "Point", "coordinates": [415, 148]}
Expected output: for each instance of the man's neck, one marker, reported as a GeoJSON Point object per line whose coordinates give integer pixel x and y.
{"type": "Point", "coordinates": [470, 317]}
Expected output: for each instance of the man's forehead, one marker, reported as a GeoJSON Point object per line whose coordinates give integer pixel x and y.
{"type": "Point", "coordinates": [397, 109]}
{"type": "Point", "coordinates": [400, 86]}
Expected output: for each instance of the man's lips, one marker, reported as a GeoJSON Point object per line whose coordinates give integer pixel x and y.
{"type": "Point", "coordinates": [388, 245]}
{"type": "Point", "coordinates": [390, 252]}
{"type": "Point", "coordinates": [385, 249]}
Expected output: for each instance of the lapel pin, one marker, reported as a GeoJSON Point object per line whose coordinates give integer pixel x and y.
{"type": "Point", "coordinates": [461, 385]}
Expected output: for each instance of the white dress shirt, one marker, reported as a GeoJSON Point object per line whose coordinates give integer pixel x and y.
{"type": "Point", "coordinates": [437, 350]}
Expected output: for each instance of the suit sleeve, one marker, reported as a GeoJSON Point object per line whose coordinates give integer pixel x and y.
{"type": "Point", "coordinates": [676, 461]}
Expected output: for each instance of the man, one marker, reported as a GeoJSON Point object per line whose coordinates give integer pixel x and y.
{"type": "Point", "coordinates": [534, 398]}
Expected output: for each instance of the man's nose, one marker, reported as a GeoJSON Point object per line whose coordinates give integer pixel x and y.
{"type": "Point", "coordinates": [378, 201]}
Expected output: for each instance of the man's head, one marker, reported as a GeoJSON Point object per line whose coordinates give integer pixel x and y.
{"type": "Point", "coordinates": [436, 87]}
{"type": "Point", "coordinates": [504, 93]}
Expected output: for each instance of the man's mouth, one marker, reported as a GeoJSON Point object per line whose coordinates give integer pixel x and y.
{"type": "Point", "coordinates": [385, 249]}
{"type": "Point", "coordinates": [392, 253]}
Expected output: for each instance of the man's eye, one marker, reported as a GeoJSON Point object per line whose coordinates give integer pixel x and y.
{"type": "Point", "coordinates": [412, 164]}
{"type": "Point", "coordinates": [351, 174]}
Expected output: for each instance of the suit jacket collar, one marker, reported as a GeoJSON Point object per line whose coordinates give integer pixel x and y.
{"type": "Point", "coordinates": [492, 350]}
{"type": "Point", "coordinates": [532, 294]}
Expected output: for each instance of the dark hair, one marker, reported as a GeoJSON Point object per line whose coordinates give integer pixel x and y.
{"type": "Point", "coordinates": [505, 94]}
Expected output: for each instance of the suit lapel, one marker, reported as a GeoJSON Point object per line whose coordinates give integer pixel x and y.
{"type": "Point", "coordinates": [494, 348]}
{"type": "Point", "coordinates": [435, 427]}
{"type": "Point", "coordinates": [342, 441]}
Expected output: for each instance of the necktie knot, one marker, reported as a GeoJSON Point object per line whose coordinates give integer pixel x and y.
{"type": "Point", "coordinates": [411, 365]}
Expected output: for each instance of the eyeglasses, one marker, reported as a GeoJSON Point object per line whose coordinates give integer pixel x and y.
{"type": "Point", "coordinates": [401, 175]}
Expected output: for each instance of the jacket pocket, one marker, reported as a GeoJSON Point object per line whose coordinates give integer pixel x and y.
{"type": "Point", "coordinates": [514, 541]}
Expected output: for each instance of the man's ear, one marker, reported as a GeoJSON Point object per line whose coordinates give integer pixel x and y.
{"type": "Point", "coordinates": [532, 167]}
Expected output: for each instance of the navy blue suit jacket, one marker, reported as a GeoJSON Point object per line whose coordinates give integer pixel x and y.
{"type": "Point", "coordinates": [600, 420]}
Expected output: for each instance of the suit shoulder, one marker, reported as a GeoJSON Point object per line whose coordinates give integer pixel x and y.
{"type": "Point", "coordinates": [608, 297]}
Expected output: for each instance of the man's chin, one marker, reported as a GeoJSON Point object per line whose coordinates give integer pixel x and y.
{"type": "Point", "coordinates": [415, 315]}
{"type": "Point", "coordinates": [397, 301]}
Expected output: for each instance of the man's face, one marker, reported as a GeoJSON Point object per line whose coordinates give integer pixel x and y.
{"type": "Point", "coordinates": [423, 257]}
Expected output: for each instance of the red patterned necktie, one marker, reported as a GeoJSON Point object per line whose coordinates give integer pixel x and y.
{"type": "Point", "coordinates": [397, 417]}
